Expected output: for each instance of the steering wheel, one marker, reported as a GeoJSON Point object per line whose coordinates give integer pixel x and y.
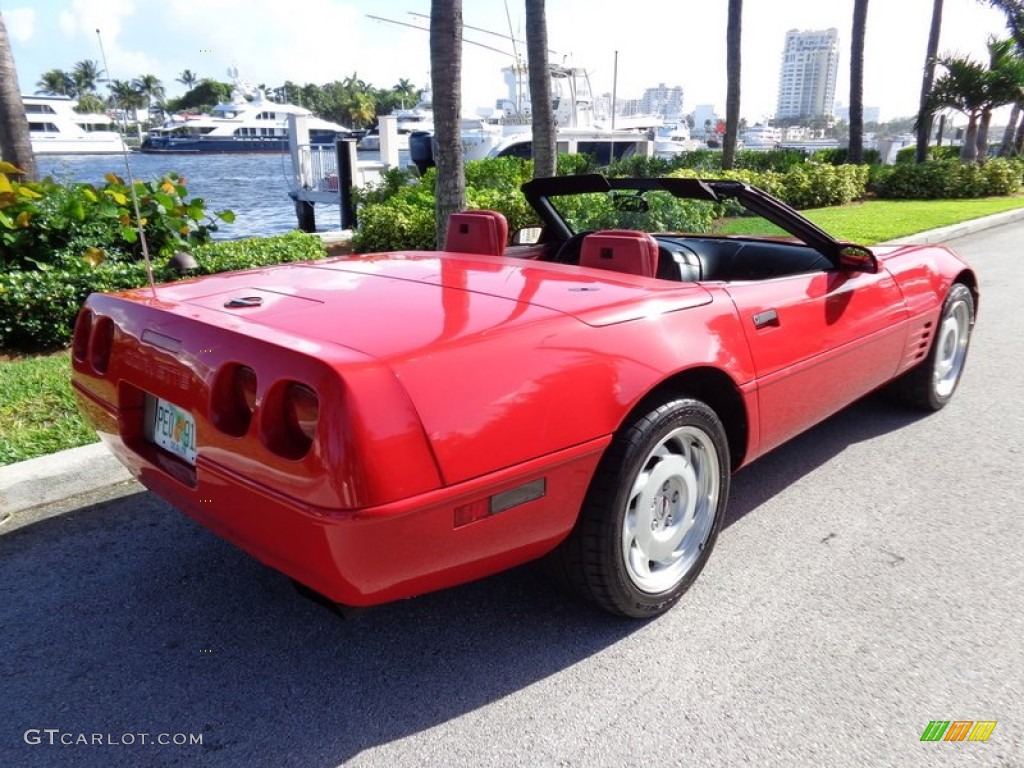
{"type": "Point", "coordinates": [569, 252]}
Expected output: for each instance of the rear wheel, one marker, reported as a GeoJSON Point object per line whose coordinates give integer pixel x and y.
{"type": "Point", "coordinates": [931, 384]}
{"type": "Point", "coordinates": [652, 513]}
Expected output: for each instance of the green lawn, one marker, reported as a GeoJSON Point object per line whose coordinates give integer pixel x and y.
{"type": "Point", "coordinates": [878, 220]}
{"type": "Point", "coordinates": [38, 414]}
{"type": "Point", "coordinates": [37, 410]}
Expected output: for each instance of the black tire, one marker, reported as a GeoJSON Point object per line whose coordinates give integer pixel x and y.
{"type": "Point", "coordinates": [931, 384]}
{"type": "Point", "coordinates": [652, 513]}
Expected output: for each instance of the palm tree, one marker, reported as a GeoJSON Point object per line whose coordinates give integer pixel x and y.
{"type": "Point", "coordinates": [1005, 84]}
{"type": "Point", "coordinates": [446, 78]}
{"type": "Point", "coordinates": [975, 89]}
{"type": "Point", "coordinates": [358, 109]}
{"type": "Point", "coordinates": [56, 82]}
{"type": "Point", "coordinates": [855, 152]}
{"type": "Point", "coordinates": [354, 83]}
{"type": "Point", "coordinates": [404, 89]}
{"type": "Point", "coordinates": [90, 103]}
{"type": "Point", "coordinates": [1014, 12]}
{"type": "Point", "coordinates": [924, 120]}
{"type": "Point", "coordinates": [86, 74]}
{"type": "Point", "coordinates": [962, 88]}
{"type": "Point", "coordinates": [545, 155]}
{"type": "Point", "coordinates": [150, 87]}
{"type": "Point", "coordinates": [124, 97]}
{"type": "Point", "coordinates": [733, 37]}
{"type": "Point", "coordinates": [188, 78]}
{"type": "Point", "coordinates": [15, 141]}
{"type": "Point", "coordinates": [1007, 147]}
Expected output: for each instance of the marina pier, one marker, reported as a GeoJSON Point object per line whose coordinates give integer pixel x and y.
{"type": "Point", "coordinates": [327, 173]}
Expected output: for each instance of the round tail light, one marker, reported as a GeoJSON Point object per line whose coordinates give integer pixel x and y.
{"type": "Point", "coordinates": [234, 399]}
{"type": "Point", "coordinates": [301, 414]}
{"type": "Point", "coordinates": [291, 412]}
{"type": "Point", "coordinates": [102, 342]}
{"type": "Point", "coordinates": [80, 343]}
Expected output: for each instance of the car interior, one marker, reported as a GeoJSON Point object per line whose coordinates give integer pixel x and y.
{"type": "Point", "coordinates": [677, 257]}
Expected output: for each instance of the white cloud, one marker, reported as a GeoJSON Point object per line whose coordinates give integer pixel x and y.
{"type": "Point", "coordinates": [21, 24]}
{"type": "Point", "coordinates": [84, 17]}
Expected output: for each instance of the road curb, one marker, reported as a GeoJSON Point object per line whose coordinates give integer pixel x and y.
{"type": "Point", "coordinates": [953, 231]}
{"type": "Point", "coordinates": [59, 476]}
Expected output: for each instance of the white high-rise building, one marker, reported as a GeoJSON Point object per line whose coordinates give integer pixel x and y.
{"type": "Point", "coordinates": [663, 100]}
{"type": "Point", "coordinates": [807, 84]}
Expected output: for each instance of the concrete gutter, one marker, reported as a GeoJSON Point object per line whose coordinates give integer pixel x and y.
{"type": "Point", "coordinates": [61, 476]}
{"type": "Point", "coordinates": [56, 477]}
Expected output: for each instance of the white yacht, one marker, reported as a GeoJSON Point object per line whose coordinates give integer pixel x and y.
{"type": "Point", "coordinates": [673, 140]}
{"type": "Point", "coordinates": [762, 136]}
{"type": "Point", "coordinates": [419, 118]}
{"type": "Point", "coordinates": [240, 125]}
{"type": "Point", "coordinates": [56, 129]}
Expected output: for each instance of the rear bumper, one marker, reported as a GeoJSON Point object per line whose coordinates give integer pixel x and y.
{"type": "Point", "coordinates": [377, 554]}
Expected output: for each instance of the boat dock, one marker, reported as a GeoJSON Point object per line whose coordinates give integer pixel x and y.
{"type": "Point", "coordinates": [327, 173]}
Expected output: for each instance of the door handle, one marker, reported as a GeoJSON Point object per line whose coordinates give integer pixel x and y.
{"type": "Point", "coordinates": [766, 318]}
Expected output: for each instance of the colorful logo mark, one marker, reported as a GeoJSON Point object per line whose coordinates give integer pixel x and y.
{"type": "Point", "coordinates": [958, 730]}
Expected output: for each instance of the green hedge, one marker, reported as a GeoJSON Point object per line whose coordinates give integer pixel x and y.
{"type": "Point", "coordinates": [838, 156]}
{"type": "Point", "coordinates": [945, 152]}
{"type": "Point", "coordinates": [398, 214]}
{"type": "Point", "coordinates": [38, 307]}
{"type": "Point", "coordinates": [812, 185]}
{"type": "Point", "coordinates": [947, 179]}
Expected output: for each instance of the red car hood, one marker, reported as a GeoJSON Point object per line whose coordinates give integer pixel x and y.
{"type": "Point", "coordinates": [397, 303]}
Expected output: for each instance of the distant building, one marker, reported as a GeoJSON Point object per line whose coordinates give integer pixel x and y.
{"type": "Point", "coordinates": [664, 101]}
{"type": "Point", "coordinates": [704, 116]}
{"type": "Point", "coordinates": [871, 114]}
{"type": "Point", "coordinates": [807, 83]}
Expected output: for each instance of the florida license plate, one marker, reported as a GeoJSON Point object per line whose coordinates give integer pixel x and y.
{"type": "Point", "coordinates": [174, 430]}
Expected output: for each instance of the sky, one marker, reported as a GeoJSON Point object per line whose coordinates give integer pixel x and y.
{"type": "Point", "coordinates": [676, 42]}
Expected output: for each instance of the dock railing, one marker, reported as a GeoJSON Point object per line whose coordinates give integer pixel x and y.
{"type": "Point", "coordinates": [325, 173]}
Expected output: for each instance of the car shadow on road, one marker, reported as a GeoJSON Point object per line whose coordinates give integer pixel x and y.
{"type": "Point", "coordinates": [765, 478]}
{"type": "Point", "coordinates": [128, 618]}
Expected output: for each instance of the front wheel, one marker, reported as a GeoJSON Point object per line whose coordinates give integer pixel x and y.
{"type": "Point", "coordinates": [652, 512]}
{"type": "Point", "coordinates": [931, 384]}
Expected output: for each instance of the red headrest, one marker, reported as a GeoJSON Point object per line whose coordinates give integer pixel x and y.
{"type": "Point", "coordinates": [621, 250]}
{"type": "Point", "coordinates": [483, 232]}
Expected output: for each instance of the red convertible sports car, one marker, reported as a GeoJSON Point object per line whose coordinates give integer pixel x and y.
{"type": "Point", "coordinates": [378, 426]}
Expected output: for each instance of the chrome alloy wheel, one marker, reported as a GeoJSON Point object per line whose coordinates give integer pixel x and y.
{"type": "Point", "coordinates": [951, 351]}
{"type": "Point", "coordinates": [670, 509]}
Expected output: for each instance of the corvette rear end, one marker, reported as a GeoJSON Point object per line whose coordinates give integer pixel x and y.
{"type": "Point", "coordinates": [307, 453]}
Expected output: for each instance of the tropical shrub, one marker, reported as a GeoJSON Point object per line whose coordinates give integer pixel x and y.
{"type": "Point", "coordinates": [770, 160]}
{"type": "Point", "coordinates": [810, 185]}
{"type": "Point", "coordinates": [945, 152]}
{"type": "Point", "coordinates": [947, 179]}
{"type": "Point", "coordinates": [46, 224]}
{"type": "Point", "coordinates": [38, 306]}
{"type": "Point", "coordinates": [838, 156]}
{"type": "Point", "coordinates": [397, 216]}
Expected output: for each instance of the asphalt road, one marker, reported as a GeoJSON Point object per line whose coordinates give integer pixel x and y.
{"type": "Point", "coordinates": [870, 579]}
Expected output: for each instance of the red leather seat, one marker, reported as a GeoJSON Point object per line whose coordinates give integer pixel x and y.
{"type": "Point", "coordinates": [621, 250]}
{"type": "Point", "coordinates": [484, 232]}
